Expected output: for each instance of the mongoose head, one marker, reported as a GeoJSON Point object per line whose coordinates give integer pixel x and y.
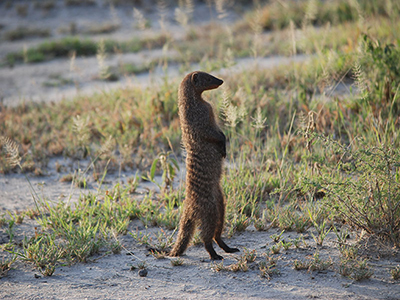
{"type": "Point", "coordinates": [202, 81]}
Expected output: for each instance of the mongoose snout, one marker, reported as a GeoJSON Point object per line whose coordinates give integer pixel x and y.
{"type": "Point", "coordinates": [202, 81]}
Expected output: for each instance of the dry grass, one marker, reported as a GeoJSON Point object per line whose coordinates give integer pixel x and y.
{"type": "Point", "coordinates": [25, 32]}
{"type": "Point", "coordinates": [282, 124]}
{"type": "Point", "coordinates": [101, 28]}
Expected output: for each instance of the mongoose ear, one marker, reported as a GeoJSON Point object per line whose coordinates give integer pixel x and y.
{"type": "Point", "coordinates": [195, 78]}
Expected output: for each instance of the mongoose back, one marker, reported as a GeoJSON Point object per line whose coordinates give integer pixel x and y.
{"type": "Point", "coordinates": [204, 142]}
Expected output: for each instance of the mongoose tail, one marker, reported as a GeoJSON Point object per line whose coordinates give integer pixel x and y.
{"type": "Point", "coordinates": [186, 231]}
{"type": "Point", "coordinates": [205, 145]}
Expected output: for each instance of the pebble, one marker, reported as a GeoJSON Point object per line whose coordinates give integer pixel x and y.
{"type": "Point", "coordinates": [142, 272]}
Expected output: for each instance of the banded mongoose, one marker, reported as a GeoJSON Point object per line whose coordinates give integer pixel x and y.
{"type": "Point", "coordinates": [204, 142]}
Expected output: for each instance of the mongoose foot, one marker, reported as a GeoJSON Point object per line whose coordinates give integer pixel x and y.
{"type": "Point", "coordinates": [225, 247]}
{"type": "Point", "coordinates": [231, 250]}
{"type": "Point", "coordinates": [216, 257]}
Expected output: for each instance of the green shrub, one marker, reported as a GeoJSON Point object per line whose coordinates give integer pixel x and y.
{"type": "Point", "coordinates": [379, 76]}
{"type": "Point", "coordinates": [363, 187]}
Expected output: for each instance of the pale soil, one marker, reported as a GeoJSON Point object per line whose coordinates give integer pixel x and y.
{"type": "Point", "coordinates": [110, 277]}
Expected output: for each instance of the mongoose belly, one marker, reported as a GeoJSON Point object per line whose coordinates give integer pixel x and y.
{"type": "Point", "coordinates": [202, 177]}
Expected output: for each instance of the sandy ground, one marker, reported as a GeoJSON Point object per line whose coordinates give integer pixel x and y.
{"type": "Point", "coordinates": [110, 276]}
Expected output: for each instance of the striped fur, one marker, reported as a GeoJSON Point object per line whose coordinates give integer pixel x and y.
{"type": "Point", "coordinates": [204, 142]}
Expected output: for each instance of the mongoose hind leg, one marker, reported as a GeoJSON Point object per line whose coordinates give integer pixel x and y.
{"type": "Point", "coordinates": [220, 224]}
{"type": "Point", "coordinates": [207, 230]}
{"type": "Point", "coordinates": [210, 249]}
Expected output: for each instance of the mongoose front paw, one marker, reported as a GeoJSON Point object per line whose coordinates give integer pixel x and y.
{"type": "Point", "coordinates": [223, 154]}
{"type": "Point", "coordinates": [223, 150]}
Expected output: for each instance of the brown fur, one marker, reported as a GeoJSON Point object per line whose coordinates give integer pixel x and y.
{"type": "Point", "coordinates": [204, 142]}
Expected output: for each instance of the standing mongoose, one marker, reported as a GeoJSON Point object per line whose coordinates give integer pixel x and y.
{"type": "Point", "coordinates": [204, 142]}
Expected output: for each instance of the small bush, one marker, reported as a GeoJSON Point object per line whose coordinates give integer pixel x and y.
{"type": "Point", "coordinates": [395, 273]}
{"type": "Point", "coordinates": [5, 266]}
{"type": "Point", "coordinates": [363, 187]}
{"type": "Point", "coordinates": [355, 269]}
